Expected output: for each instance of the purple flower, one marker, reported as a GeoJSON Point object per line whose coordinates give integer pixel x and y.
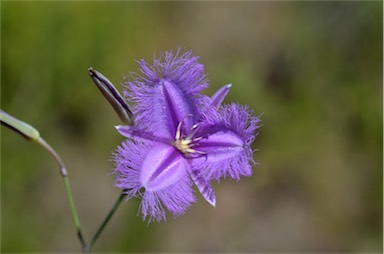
{"type": "Point", "coordinates": [180, 137]}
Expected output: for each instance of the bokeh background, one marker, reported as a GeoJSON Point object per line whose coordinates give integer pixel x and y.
{"type": "Point", "coordinates": [314, 69]}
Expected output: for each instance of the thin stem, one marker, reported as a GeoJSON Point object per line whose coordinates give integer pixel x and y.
{"type": "Point", "coordinates": [74, 213]}
{"type": "Point", "coordinates": [105, 222]}
{"type": "Point", "coordinates": [63, 171]}
{"type": "Point", "coordinates": [31, 133]}
{"type": "Point", "coordinates": [64, 174]}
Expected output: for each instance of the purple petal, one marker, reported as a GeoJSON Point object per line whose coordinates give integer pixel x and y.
{"type": "Point", "coordinates": [221, 145]}
{"type": "Point", "coordinates": [164, 175]}
{"type": "Point", "coordinates": [167, 92]}
{"type": "Point", "coordinates": [163, 166]}
{"type": "Point", "coordinates": [204, 187]}
{"type": "Point", "coordinates": [218, 97]}
{"type": "Point", "coordinates": [128, 159]}
{"type": "Point", "coordinates": [158, 174]}
{"type": "Point", "coordinates": [177, 107]}
{"type": "Point", "coordinates": [229, 133]}
{"type": "Point", "coordinates": [176, 198]}
{"type": "Point", "coordinates": [184, 70]}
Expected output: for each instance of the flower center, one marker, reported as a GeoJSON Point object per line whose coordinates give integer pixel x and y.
{"type": "Point", "coordinates": [185, 144]}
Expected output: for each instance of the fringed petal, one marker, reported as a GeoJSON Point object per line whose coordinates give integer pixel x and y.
{"type": "Point", "coordinates": [164, 175]}
{"type": "Point", "coordinates": [167, 92]}
{"type": "Point", "coordinates": [228, 134]}
{"type": "Point", "coordinates": [204, 186]}
{"type": "Point", "coordinates": [156, 173]}
{"type": "Point", "coordinates": [163, 166]}
{"type": "Point", "coordinates": [129, 158]}
{"type": "Point", "coordinates": [176, 198]}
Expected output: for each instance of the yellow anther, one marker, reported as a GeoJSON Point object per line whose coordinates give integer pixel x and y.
{"type": "Point", "coordinates": [185, 145]}
{"type": "Point", "coordinates": [182, 145]}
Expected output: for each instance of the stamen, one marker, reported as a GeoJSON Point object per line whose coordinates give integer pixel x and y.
{"type": "Point", "coordinates": [178, 130]}
{"type": "Point", "coordinates": [190, 150]}
{"type": "Point", "coordinates": [177, 137]}
{"type": "Point", "coordinates": [197, 139]}
{"type": "Point", "coordinates": [193, 131]}
{"type": "Point", "coordinates": [185, 144]}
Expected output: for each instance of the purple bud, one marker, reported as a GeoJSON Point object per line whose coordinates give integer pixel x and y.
{"type": "Point", "coordinates": [112, 95]}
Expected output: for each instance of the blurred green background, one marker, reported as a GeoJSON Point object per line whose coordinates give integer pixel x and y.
{"type": "Point", "coordinates": [314, 69]}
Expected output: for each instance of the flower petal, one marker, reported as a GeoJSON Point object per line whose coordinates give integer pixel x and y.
{"type": "Point", "coordinates": [158, 174]}
{"type": "Point", "coordinates": [129, 158]}
{"type": "Point", "coordinates": [221, 145]}
{"type": "Point", "coordinates": [167, 92]}
{"type": "Point", "coordinates": [228, 134]}
{"type": "Point", "coordinates": [162, 166]}
{"type": "Point", "coordinates": [204, 187]}
{"type": "Point", "coordinates": [164, 177]}
{"type": "Point", "coordinates": [177, 107]}
{"type": "Point", "coordinates": [218, 97]}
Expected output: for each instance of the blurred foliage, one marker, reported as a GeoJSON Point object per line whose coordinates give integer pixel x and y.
{"type": "Point", "coordinates": [314, 69]}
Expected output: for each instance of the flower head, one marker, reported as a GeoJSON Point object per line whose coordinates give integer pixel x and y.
{"type": "Point", "coordinates": [180, 137]}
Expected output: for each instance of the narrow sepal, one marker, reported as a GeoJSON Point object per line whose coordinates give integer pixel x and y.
{"type": "Point", "coordinates": [139, 134]}
{"type": "Point", "coordinates": [219, 96]}
{"type": "Point", "coordinates": [112, 95]}
{"type": "Point", "coordinates": [205, 187]}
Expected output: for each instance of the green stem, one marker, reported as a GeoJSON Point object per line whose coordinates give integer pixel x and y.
{"type": "Point", "coordinates": [30, 133]}
{"type": "Point", "coordinates": [64, 174]}
{"type": "Point", "coordinates": [74, 214]}
{"type": "Point", "coordinates": [105, 222]}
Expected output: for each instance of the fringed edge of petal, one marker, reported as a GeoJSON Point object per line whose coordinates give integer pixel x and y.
{"type": "Point", "coordinates": [128, 158]}
{"type": "Point", "coordinates": [176, 198]}
{"type": "Point", "coordinates": [179, 68]}
{"type": "Point", "coordinates": [242, 121]}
